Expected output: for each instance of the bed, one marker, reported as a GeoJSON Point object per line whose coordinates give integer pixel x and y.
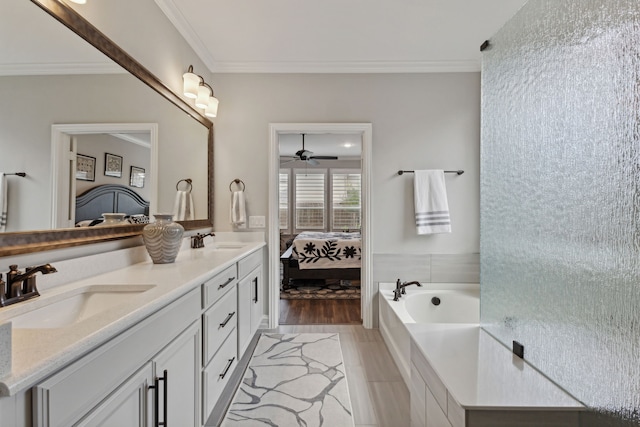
{"type": "Point", "coordinates": [317, 255]}
{"type": "Point", "coordinates": [91, 204]}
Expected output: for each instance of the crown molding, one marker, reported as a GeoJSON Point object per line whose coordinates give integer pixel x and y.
{"type": "Point", "coordinates": [60, 69]}
{"type": "Point", "coordinates": [348, 67]}
{"type": "Point", "coordinates": [174, 15]}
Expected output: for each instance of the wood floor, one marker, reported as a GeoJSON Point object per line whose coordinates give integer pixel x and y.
{"type": "Point", "coordinates": [320, 311]}
{"type": "Point", "coordinates": [379, 397]}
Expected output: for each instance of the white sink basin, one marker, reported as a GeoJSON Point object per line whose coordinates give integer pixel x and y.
{"type": "Point", "coordinates": [228, 246]}
{"type": "Point", "coordinates": [76, 305]}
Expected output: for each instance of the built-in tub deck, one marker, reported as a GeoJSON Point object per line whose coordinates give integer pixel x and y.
{"type": "Point", "coordinates": [461, 376]}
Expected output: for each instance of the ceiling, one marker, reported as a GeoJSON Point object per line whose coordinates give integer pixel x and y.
{"type": "Point", "coordinates": [345, 146]}
{"type": "Point", "coordinates": [339, 35]}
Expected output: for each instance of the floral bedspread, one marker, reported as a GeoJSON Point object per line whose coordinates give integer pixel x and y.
{"type": "Point", "coordinates": [327, 250]}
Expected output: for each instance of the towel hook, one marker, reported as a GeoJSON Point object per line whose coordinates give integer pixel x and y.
{"type": "Point", "coordinates": [236, 181]}
{"type": "Point", "coordinates": [188, 181]}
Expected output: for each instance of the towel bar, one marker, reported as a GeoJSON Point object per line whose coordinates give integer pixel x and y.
{"type": "Point", "coordinates": [458, 172]}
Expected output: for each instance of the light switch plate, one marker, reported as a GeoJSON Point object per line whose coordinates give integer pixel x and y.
{"type": "Point", "coordinates": [256, 222]}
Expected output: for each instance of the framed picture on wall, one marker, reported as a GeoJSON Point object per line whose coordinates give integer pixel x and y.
{"type": "Point", "coordinates": [85, 167]}
{"type": "Point", "coordinates": [112, 165]}
{"type": "Point", "coordinates": [137, 177]}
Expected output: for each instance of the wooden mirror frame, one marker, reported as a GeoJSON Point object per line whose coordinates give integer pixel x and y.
{"type": "Point", "coordinates": [44, 240]}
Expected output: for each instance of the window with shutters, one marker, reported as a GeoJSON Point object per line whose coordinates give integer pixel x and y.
{"type": "Point", "coordinates": [345, 199]}
{"type": "Point", "coordinates": [309, 192]}
{"type": "Point", "coordinates": [283, 199]}
{"type": "Point", "coordinates": [319, 199]}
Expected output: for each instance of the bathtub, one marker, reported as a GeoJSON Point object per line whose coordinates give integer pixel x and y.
{"type": "Point", "coordinates": [432, 303]}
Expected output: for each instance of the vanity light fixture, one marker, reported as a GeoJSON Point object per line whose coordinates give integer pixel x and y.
{"type": "Point", "coordinates": [195, 87]}
{"type": "Point", "coordinates": [191, 82]}
{"type": "Point", "coordinates": [212, 108]}
{"type": "Point", "coordinates": [204, 92]}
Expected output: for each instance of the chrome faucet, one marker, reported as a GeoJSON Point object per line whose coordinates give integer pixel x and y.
{"type": "Point", "coordinates": [21, 286]}
{"type": "Point", "coordinates": [399, 290]}
{"type": "Point", "coordinates": [197, 240]}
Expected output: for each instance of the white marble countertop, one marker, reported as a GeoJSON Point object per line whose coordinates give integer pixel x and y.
{"type": "Point", "coordinates": [37, 353]}
{"type": "Point", "coordinates": [481, 373]}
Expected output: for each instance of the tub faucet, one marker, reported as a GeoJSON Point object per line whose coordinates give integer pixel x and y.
{"type": "Point", "coordinates": [399, 291]}
{"type": "Point", "coordinates": [22, 286]}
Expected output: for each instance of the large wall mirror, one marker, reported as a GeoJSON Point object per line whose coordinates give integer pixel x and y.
{"type": "Point", "coordinates": [46, 90]}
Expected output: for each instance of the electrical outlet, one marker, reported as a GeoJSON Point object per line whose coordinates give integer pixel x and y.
{"type": "Point", "coordinates": [256, 222]}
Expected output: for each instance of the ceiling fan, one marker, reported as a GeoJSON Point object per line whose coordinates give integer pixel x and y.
{"type": "Point", "coordinates": [307, 156]}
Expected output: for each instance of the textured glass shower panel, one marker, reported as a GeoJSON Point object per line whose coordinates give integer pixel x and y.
{"type": "Point", "coordinates": [560, 215]}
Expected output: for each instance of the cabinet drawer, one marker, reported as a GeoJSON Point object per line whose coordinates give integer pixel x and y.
{"type": "Point", "coordinates": [219, 285]}
{"type": "Point", "coordinates": [248, 263]}
{"type": "Point", "coordinates": [217, 374]}
{"type": "Point", "coordinates": [219, 320]}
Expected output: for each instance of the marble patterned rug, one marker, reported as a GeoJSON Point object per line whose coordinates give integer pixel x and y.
{"type": "Point", "coordinates": [293, 380]}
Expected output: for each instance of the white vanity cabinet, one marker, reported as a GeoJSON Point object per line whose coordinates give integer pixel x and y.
{"type": "Point", "coordinates": [219, 320]}
{"type": "Point", "coordinates": [111, 385]}
{"type": "Point", "coordinates": [250, 301]}
{"type": "Point", "coordinates": [164, 391]}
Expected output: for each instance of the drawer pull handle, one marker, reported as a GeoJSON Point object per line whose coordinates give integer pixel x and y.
{"type": "Point", "coordinates": [229, 280]}
{"type": "Point", "coordinates": [222, 375]}
{"type": "Point", "coordinates": [223, 324]}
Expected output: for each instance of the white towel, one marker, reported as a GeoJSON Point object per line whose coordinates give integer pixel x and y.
{"type": "Point", "coordinates": [238, 209]}
{"type": "Point", "coordinates": [430, 198]}
{"type": "Point", "coordinates": [3, 202]}
{"type": "Point", "coordinates": [183, 206]}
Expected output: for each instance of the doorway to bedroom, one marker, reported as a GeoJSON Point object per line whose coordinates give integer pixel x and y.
{"type": "Point", "coordinates": [320, 211]}
{"type": "Point", "coordinates": [320, 214]}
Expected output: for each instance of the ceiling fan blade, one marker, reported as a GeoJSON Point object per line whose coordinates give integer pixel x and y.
{"type": "Point", "coordinates": [324, 157]}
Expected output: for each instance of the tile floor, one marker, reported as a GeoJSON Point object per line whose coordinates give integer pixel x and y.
{"type": "Point", "coordinates": [379, 396]}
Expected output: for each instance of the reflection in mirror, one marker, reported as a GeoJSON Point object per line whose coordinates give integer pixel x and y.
{"type": "Point", "coordinates": [50, 76]}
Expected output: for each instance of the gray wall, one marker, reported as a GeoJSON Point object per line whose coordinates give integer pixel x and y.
{"type": "Point", "coordinates": [420, 121]}
{"type": "Point", "coordinates": [559, 243]}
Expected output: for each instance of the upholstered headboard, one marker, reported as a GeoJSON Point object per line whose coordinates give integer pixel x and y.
{"type": "Point", "coordinates": [109, 198]}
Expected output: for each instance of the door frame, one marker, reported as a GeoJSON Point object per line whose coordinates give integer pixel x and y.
{"type": "Point", "coordinates": [366, 282]}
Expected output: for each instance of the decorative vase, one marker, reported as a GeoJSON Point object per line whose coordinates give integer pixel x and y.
{"type": "Point", "coordinates": [163, 239]}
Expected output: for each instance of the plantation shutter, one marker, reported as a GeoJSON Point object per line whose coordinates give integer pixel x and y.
{"type": "Point", "coordinates": [310, 200]}
{"type": "Point", "coordinates": [346, 200]}
{"type": "Point", "coordinates": [283, 200]}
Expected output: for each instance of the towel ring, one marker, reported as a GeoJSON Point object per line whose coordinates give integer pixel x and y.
{"type": "Point", "coordinates": [188, 181]}
{"type": "Point", "coordinates": [236, 181]}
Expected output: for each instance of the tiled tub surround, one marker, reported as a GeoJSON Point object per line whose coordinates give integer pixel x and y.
{"type": "Point", "coordinates": [460, 376]}
{"type": "Point", "coordinates": [37, 353]}
{"type": "Point", "coordinates": [459, 304]}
